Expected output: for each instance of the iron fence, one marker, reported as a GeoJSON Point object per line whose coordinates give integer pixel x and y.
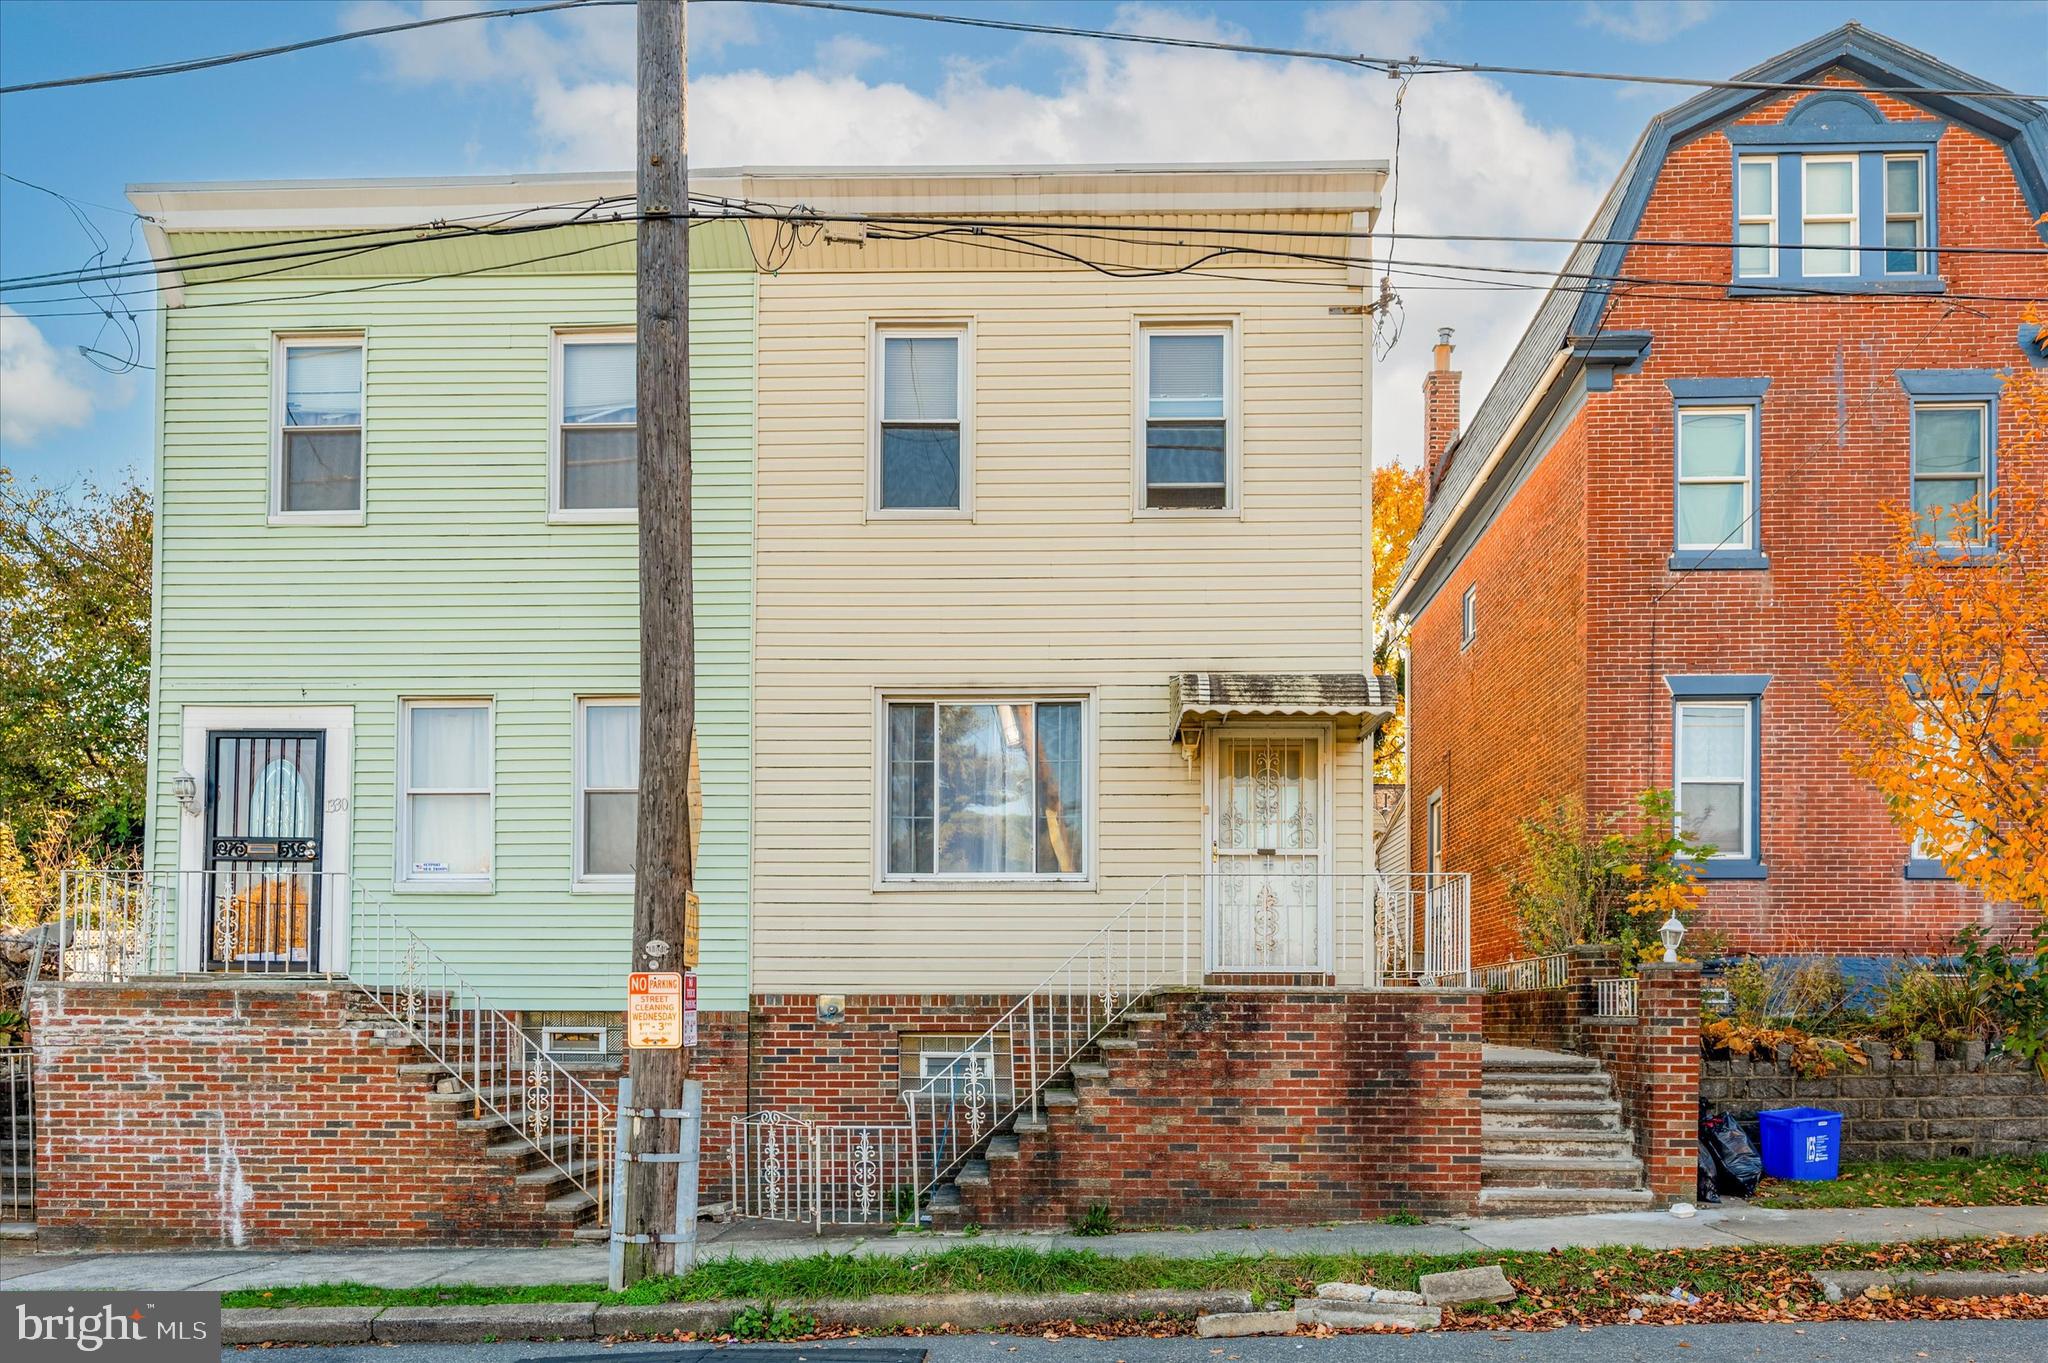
{"type": "Point", "coordinates": [17, 1135]}
{"type": "Point", "coordinates": [1524, 975]}
{"type": "Point", "coordinates": [245, 919]}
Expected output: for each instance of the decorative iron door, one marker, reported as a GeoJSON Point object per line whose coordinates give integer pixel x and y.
{"type": "Point", "coordinates": [1267, 888]}
{"type": "Point", "coordinates": [265, 795]}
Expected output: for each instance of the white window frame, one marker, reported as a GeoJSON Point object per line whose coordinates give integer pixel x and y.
{"type": "Point", "coordinates": [880, 330]}
{"type": "Point", "coordinates": [1468, 616]}
{"type": "Point", "coordinates": [1233, 416]}
{"type": "Point", "coordinates": [281, 344]}
{"type": "Point", "coordinates": [558, 342]}
{"type": "Point", "coordinates": [1091, 825]}
{"type": "Point", "coordinates": [1807, 217]}
{"type": "Point", "coordinates": [1769, 220]}
{"type": "Point", "coordinates": [580, 881]}
{"type": "Point", "coordinates": [1747, 539]}
{"type": "Point", "coordinates": [1748, 707]}
{"type": "Point", "coordinates": [1433, 834]}
{"type": "Point", "coordinates": [1918, 217]}
{"type": "Point", "coordinates": [403, 879]}
{"type": "Point", "coordinates": [1984, 465]}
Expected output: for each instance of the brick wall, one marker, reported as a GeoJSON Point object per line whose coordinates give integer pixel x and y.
{"type": "Point", "coordinates": [1655, 1063]}
{"type": "Point", "coordinates": [1930, 1104]}
{"type": "Point", "coordinates": [1272, 1107]}
{"type": "Point", "coordinates": [241, 1113]}
{"type": "Point", "coordinates": [850, 1071]}
{"type": "Point", "coordinates": [1551, 1019]}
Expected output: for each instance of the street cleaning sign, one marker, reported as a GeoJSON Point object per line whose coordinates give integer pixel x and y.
{"type": "Point", "coordinates": [654, 1010]}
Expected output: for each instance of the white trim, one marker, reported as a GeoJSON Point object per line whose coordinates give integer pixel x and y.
{"type": "Point", "coordinates": [1769, 220]}
{"type": "Point", "coordinates": [1213, 737]}
{"type": "Point", "coordinates": [1432, 833]}
{"type": "Point", "coordinates": [1982, 407]}
{"type": "Point", "coordinates": [1206, 324]}
{"type": "Point", "coordinates": [956, 328]}
{"type": "Point", "coordinates": [882, 880]}
{"type": "Point", "coordinates": [402, 879]}
{"type": "Point", "coordinates": [1683, 480]}
{"type": "Point", "coordinates": [1747, 706]}
{"type": "Point", "coordinates": [1468, 617]}
{"type": "Point", "coordinates": [579, 883]}
{"type": "Point", "coordinates": [282, 342]}
{"type": "Point", "coordinates": [1808, 217]}
{"type": "Point", "coordinates": [336, 821]}
{"type": "Point", "coordinates": [557, 513]}
{"type": "Point", "coordinates": [1918, 216]}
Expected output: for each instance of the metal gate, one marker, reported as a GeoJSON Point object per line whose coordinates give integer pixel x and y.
{"type": "Point", "coordinates": [828, 1174]}
{"type": "Point", "coordinates": [17, 1135]}
{"type": "Point", "coordinates": [265, 796]}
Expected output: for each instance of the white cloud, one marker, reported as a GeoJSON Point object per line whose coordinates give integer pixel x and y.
{"type": "Point", "coordinates": [41, 389]}
{"type": "Point", "coordinates": [844, 54]}
{"type": "Point", "coordinates": [1646, 21]}
{"type": "Point", "coordinates": [1472, 158]}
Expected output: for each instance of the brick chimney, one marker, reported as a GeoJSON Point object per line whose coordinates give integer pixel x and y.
{"type": "Point", "coordinates": [1439, 414]}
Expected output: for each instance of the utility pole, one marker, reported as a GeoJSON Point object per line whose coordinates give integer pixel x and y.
{"type": "Point", "coordinates": [668, 641]}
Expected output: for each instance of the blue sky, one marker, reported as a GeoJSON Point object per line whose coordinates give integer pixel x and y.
{"type": "Point", "coordinates": [778, 85]}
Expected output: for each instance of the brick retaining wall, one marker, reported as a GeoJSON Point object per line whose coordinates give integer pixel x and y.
{"type": "Point", "coordinates": [1930, 1104]}
{"type": "Point", "coordinates": [1655, 1062]}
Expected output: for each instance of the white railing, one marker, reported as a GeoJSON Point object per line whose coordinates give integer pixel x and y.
{"type": "Point", "coordinates": [242, 920]}
{"type": "Point", "coordinates": [1524, 975]}
{"type": "Point", "coordinates": [507, 1073]}
{"type": "Point", "coordinates": [1614, 998]}
{"type": "Point", "coordinates": [17, 1134]}
{"type": "Point", "coordinates": [784, 1168]}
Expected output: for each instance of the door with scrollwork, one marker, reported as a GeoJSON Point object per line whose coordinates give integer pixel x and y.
{"type": "Point", "coordinates": [1268, 888]}
{"type": "Point", "coordinates": [264, 798]}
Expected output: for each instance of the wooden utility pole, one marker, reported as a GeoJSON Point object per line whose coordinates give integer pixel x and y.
{"type": "Point", "coordinates": [668, 642]}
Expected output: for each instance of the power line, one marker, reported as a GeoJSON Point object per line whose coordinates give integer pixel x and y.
{"type": "Point", "coordinates": [252, 54]}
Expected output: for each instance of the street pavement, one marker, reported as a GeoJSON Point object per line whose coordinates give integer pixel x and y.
{"type": "Point", "coordinates": [1843, 1342]}
{"type": "Point", "coordinates": [1733, 1224]}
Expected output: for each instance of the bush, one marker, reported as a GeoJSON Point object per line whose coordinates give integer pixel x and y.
{"type": "Point", "coordinates": [2014, 986]}
{"type": "Point", "coordinates": [1922, 1003]}
{"type": "Point", "coordinates": [772, 1322]}
{"type": "Point", "coordinates": [1098, 1219]}
{"type": "Point", "coordinates": [1612, 879]}
{"type": "Point", "coordinates": [1794, 1005]}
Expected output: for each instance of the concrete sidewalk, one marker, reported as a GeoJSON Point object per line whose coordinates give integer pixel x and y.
{"type": "Point", "coordinates": [1736, 1224]}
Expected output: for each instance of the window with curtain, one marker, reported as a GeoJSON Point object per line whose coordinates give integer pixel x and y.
{"type": "Point", "coordinates": [446, 821]}
{"type": "Point", "coordinates": [992, 789]}
{"type": "Point", "coordinates": [597, 433]}
{"type": "Point", "coordinates": [1712, 776]}
{"type": "Point", "coordinates": [320, 428]}
{"type": "Point", "coordinates": [1951, 469]}
{"type": "Point", "coordinates": [1715, 480]}
{"type": "Point", "coordinates": [1186, 383]}
{"type": "Point", "coordinates": [919, 441]}
{"type": "Point", "coordinates": [608, 789]}
{"type": "Point", "coordinates": [1828, 230]}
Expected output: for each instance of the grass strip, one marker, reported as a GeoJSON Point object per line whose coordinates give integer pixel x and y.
{"type": "Point", "coordinates": [2001, 1182]}
{"type": "Point", "coordinates": [1589, 1278]}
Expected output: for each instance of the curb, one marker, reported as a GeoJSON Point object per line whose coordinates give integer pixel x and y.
{"type": "Point", "coordinates": [1952, 1284]}
{"type": "Point", "coordinates": [588, 1320]}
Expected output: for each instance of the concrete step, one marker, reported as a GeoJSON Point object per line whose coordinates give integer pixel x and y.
{"type": "Point", "coordinates": [1117, 1043]}
{"type": "Point", "coordinates": [1563, 1090]}
{"type": "Point", "coordinates": [1141, 1018]}
{"type": "Point", "coordinates": [1088, 1071]}
{"type": "Point", "coordinates": [1026, 1125]}
{"type": "Point", "coordinates": [591, 1230]}
{"type": "Point", "coordinates": [1551, 1140]}
{"type": "Point", "coordinates": [574, 1204]}
{"type": "Point", "coordinates": [548, 1175]}
{"type": "Point", "coordinates": [1003, 1147]}
{"type": "Point", "coordinates": [973, 1174]}
{"type": "Point", "coordinates": [1509, 1058]}
{"type": "Point", "coordinates": [1560, 1171]}
{"type": "Point", "coordinates": [1561, 1201]}
{"type": "Point", "coordinates": [1059, 1098]}
{"type": "Point", "coordinates": [1598, 1114]}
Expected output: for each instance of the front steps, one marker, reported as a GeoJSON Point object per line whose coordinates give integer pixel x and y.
{"type": "Point", "coordinates": [1553, 1138]}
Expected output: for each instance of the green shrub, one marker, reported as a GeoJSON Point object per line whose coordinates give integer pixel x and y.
{"type": "Point", "coordinates": [1611, 879]}
{"type": "Point", "coordinates": [771, 1322]}
{"type": "Point", "coordinates": [1921, 1003]}
{"type": "Point", "coordinates": [1098, 1219]}
{"type": "Point", "coordinates": [2015, 990]}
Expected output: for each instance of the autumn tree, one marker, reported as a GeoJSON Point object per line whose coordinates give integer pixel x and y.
{"type": "Point", "coordinates": [1396, 516]}
{"type": "Point", "coordinates": [1942, 680]}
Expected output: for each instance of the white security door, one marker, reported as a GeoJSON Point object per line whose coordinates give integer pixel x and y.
{"type": "Point", "coordinates": [1269, 849]}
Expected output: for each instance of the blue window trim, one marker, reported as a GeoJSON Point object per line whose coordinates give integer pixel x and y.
{"type": "Point", "coordinates": [1954, 385]}
{"type": "Point", "coordinates": [2034, 343]}
{"type": "Point", "coordinates": [1748, 687]}
{"type": "Point", "coordinates": [1926, 868]}
{"type": "Point", "coordinates": [1722, 392]}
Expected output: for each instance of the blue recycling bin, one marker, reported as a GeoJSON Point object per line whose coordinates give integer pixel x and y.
{"type": "Point", "coordinates": [1803, 1143]}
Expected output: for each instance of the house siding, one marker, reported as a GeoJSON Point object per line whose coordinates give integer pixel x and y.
{"type": "Point", "coordinates": [456, 585]}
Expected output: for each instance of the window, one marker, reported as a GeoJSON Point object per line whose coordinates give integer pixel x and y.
{"type": "Point", "coordinates": [1184, 376]}
{"type": "Point", "coordinates": [1714, 778]}
{"type": "Point", "coordinates": [1828, 225]}
{"type": "Point", "coordinates": [445, 780]}
{"type": "Point", "coordinates": [1468, 616]}
{"type": "Point", "coordinates": [921, 447]}
{"type": "Point", "coordinates": [607, 791]}
{"type": "Point", "coordinates": [1715, 485]}
{"type": "Point", "coordinates": [1434, 834]}
{"type": "Point", "coordinates": [317, 457]}
{"type": "Point", "coordinates": [596, 433]}
{"type": "Point", "coordinates": [984, 789]}
{"type": "Point", "coordinates": [1951, 466]}
{"type": "Point", "coordinates": [1905, 214]}
{"type": "Point", "coordinates": [1756, 209]}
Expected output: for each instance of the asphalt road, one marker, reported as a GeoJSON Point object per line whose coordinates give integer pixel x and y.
{"type": "Point", "coordinates": [1846, 1342]}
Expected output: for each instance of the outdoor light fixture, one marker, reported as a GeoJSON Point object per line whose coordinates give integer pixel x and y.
{"type": "Point", "coordinates": [1673, 932]}
{"type": "Point", "coordinates": [186, 788]}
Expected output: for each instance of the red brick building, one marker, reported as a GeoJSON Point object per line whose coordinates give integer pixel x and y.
{"type": "Point", "coordinates": [1793, 307]}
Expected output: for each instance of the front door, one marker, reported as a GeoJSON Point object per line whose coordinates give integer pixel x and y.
{"type": "Point", "coordinates": [1268, 888]}
{"type": "Point", "coordinates": [262, 882]}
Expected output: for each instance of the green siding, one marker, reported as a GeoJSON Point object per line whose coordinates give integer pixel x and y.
{"type": "Point", "coordinates": [456, 585]}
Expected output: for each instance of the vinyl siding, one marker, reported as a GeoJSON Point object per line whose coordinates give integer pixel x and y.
{"type": "Point", "coordinates": [456, 585]}
{"type": "Point", "coordinates": [1053, 585]}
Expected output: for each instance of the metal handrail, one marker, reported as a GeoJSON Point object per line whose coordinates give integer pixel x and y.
{"type": "Point", "coordinates": [1525, 974]}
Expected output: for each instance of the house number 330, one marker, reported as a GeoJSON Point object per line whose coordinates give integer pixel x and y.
{"type": "Point", "coordinates": [338, 805]}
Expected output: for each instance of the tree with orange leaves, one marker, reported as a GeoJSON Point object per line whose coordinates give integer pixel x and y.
{"type": "Point", "coordinates": [1396, 516]}
{"type": "Point", "coordinates": [1942, 679]}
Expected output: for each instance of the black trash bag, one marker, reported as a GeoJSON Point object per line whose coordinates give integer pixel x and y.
{"type": "Point", "coordinates": [1704, 1191]}
{"type": "Point", "coordinates": [1737, 1167]}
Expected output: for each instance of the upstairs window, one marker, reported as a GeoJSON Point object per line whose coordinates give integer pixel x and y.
{"type": "Point", "coordinates": [1905, 214]}
{"type": "Point", "coordinates": [921, 446]}
{"type": "Point", "coordinates": [317, 453]}
{"type": "Point", "coordinates": [1828, 219]}
{"type": "Point", "coordinates": [1716, 485]}
{"type": "Point", "coordinates": [597, 441]}
{"type": "Point", "coordinates": [1951, 469]}
{"type": "Point", "coordinates": [1756, 216]}
{"type": "Point", "coordinates": [1468, 616]}
{"type": "Point", "coordinates": [1185, 381]}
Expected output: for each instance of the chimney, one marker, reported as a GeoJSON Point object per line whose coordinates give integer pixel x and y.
{"type": "Point", "coordinates": [1439, 414]}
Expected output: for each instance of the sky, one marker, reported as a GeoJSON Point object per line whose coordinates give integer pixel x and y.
{"type": "Point", "coordinates": [1516, 155]}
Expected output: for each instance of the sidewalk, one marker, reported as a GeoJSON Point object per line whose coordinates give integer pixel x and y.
{"type": "Point", "coordinates": [222, 1270]}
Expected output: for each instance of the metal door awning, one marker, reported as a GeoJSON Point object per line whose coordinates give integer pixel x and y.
{"type": "Point", "coordinates": [1358, 702]}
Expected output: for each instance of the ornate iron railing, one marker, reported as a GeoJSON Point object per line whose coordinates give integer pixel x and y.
{"type": "Point", "coordinates": [506, 1072]}
{"type": "Point", "coordinates": [1524, 974]}
{"type": "Point", "coordinates": [784, 1168]}
{"type": "Point", "coordinates": [1615, 999]}
{"type": "Point", "coordinates": [242, 920]}
{"type": "Point", "coordinates": [17, 1134]}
